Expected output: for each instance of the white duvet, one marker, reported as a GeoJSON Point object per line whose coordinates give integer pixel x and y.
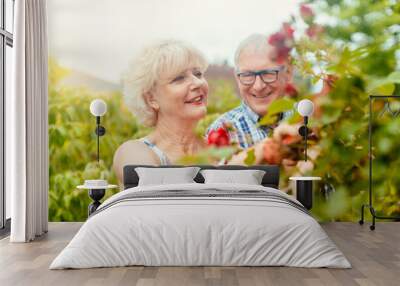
{"type": "Point", "coordinates": [183, 231]}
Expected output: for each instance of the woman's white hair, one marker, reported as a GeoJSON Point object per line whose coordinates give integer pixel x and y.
{"type": "Point", "coordinates": [257, 42]}
{"type": "Point", "coordinates": [162, 59]}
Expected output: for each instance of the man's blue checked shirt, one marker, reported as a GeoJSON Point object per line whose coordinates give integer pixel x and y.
{"type": "Point", "coordinates": [244, 121]}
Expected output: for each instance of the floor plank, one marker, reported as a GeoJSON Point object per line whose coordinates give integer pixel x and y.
{"type": "Point", "coordinates": [374, 255]}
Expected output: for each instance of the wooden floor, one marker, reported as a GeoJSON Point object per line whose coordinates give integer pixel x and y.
{"type": "Point", "coordinates": [374, 255]}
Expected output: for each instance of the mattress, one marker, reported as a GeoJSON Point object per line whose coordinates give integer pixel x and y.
{"type": "Point", "coordinates": [201, 225]}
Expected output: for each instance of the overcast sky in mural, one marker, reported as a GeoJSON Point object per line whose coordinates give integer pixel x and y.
{"type": "Point", "coordinates": [99, 37]}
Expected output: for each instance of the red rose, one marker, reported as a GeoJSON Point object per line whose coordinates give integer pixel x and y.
{"type": "Point", "coordinates": [277, 39]}
{"type": "Point", "coordinates": [290, 89]}
{"type": "Point", "coordinates": [282, 55]}
{"type": "Point", "coordinates": [306, 13]}
{"type": "Point", "coordinates": [281, 50]}
{"type": "Point", "coordinates": [282, 41]}
{"type": "Point", "coordinates": [219, 137]}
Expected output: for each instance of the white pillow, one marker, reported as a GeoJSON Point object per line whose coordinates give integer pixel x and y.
{"type": "Point", "coordinates": [249, 177]}
{"type": "Point", "coordinates": [163, 176]}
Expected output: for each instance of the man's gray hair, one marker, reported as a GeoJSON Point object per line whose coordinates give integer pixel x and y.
{"type": "Point", "coordinates": [258, 42]}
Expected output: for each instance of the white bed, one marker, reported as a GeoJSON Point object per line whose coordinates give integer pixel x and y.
{"type": "Point", "coordinates": [251, 225]}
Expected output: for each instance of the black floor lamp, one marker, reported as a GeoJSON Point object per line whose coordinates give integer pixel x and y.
{"type": "Point", "coordinates": [97, 188]}
{"type": "Point", "coordinates": [370, 205]}
{"type": "Point", "coordinates": [304, 184]}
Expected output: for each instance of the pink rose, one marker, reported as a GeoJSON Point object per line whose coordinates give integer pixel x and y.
{"type": "Point", "coordinates": [306, 13]}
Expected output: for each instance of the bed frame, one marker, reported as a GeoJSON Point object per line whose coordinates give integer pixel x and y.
{"type": "Point", "coordinates": [270, 179]}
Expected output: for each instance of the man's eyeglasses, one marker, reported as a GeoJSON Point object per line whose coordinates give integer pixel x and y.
{"type": "Point", "coordinates": [267, 76]}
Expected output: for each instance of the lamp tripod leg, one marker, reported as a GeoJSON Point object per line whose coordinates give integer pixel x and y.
{"type": "Point", "coordinates": [361, 221]}
{"type": "Point", "coordinates": [372, 227]}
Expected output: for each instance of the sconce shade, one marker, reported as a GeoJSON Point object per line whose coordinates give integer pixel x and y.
{"type": "Point", "coordinates": [98, 107]}
{"type": "Point", "coordinates": [305, 107]}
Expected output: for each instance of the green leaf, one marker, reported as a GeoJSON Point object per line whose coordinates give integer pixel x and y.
{"type": "Point", "coordinates": [296, 117]}
{"type": "Point", "coordinates": [250, 159]}
{"type": "Point", "coordinates": [267, 120]}
{"type": "Point", "coordinates": [280, 105]}
{"type": "Point", "coordinates": [394, 77]}
{"type": "Point", "coordinates": [277, 106]}
{"type": "Point", "coordinates": [223, 152]}
{"type": "Point", "coordinates": [384, 86]}
{"type": "Point", "coordinates": [385, 89]}
{"type": "Point", "coordinates": [314, 80]}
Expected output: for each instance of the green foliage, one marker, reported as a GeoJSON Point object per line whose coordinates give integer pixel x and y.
{"type": "Point", "coordinates": [360, 46]}
{"type": "Point", "coordinates": [222, 97]}
{"type": "Point", "coordinates": [73, 145]}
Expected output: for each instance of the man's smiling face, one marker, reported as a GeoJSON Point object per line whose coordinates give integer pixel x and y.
{"type": "Point", "coordinates": [260, 94]}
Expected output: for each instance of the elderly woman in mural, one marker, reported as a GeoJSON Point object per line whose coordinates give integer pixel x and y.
{"type": "Point", "coordinates": [165, 89]}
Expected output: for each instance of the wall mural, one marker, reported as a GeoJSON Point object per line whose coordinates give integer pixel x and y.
{"type": "Point", "coordinates": [181, 89]}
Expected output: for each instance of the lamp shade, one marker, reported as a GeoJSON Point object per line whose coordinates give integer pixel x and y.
{"type": "Point", "coordinates": [305, 107]}
{"type": "Point", "coordinates": [98, 107]}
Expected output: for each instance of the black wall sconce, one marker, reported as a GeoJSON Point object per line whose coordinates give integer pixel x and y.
{"type": "Point", "coordinates": [98, 108]}
{"type": "Point", "coordinates": [306, 108]}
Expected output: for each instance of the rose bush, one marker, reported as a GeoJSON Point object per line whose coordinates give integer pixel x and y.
{"type": "Point", "coordinates": [354, 54]}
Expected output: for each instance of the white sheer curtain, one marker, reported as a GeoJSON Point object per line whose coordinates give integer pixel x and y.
{"type": "Point", "coordinates": [26, 117]}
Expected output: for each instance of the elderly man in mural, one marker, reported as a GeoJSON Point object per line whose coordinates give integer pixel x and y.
{"type": "Point", "coordinates": [261, 80]}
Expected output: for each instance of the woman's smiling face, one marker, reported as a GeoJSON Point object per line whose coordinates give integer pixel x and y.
{"type": "Point", "coordinates": [181, 96]}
